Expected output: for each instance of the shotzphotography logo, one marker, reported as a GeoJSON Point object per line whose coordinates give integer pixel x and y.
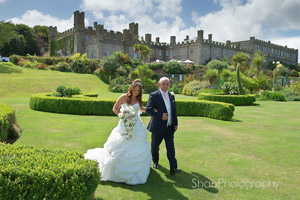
{"type": "Point", "coordinates": [248, 185]}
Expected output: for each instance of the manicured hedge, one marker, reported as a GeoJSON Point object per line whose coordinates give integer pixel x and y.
{"type": "Point", "coordinates": [8, 126]}
{"type": "Point", "coordinates": [237, 100]}
{"type": "Point", "coordinates": [101, 106]}
{"type": "Point", "coordinates": [32, 173]}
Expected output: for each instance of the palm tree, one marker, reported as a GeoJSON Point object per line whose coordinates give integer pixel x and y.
{"type": "Point", "coordinates": [242, 58]}
{"type": "Point", "coordinates": [258, 59]}
{"type": "Point", "coordinates": [143, 52]}
{"type": "Point", "coordinates": [275, 70]}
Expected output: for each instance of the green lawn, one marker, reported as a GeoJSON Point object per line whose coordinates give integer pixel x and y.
{"type": "Point", "coordinates": [261, 144]}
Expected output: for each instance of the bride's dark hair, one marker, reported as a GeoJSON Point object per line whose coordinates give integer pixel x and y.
{"type": "Point", "coordinates": [135, 83]}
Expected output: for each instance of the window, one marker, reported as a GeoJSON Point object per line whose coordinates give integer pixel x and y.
{"type": "Point", "coordinates": [218, 52]}
{"type": "Point", "coordinates": [212, 51]}
{"type": "Point", "coordinates": [272, 51]}
{"type": "Point", "coordinates": [159, 52]}
{"type": "Point", "coordinates": [224, 52]}
{"type": "Point", "coordinates": [134, 55]}
{"type": "Point", "coordinates": [204, 51]}
{"type": "Point", "coordinates": [180, 52]}
{"type": "Point", "coordinates": [174, 52]}
{"type": "Point", "coordinates": [106, 52]}
{"type": "Point", "coordinates": [191, 50]}
{"type": "Point", "coordinates": [167, 53]}
{"type": "Point", "coordinates": [94, 54]}
{"type": "Point", "coordinates": [86, 38]}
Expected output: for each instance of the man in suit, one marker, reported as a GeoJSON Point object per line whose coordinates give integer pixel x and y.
{"type": "Point", "coordinates": [163, 123]}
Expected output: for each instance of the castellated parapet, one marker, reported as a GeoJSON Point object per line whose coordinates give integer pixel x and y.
{"type": "Point", "coordinates": [98, 42]}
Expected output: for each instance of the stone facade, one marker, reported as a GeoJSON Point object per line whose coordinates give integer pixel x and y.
{"type": "Point", "coordinates": [98, 42]}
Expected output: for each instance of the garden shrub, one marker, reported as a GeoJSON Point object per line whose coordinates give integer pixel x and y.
{"type": "Point", "coordinates": [217, 64]}
{"type": "Point", "coordinates": [119, 84]}
{"type": "Point", "coordinates": [237, 100]}
{"type": "Point", "coordinates": [31, 173]}
{"type": "Point", "coordinates": [289, 94]}
{"type": "Point", "coordinates": [173, 67]}
{"type": "Point", "coordinates": [62, 91]}
{"type": "Point", "coordinates": [103, 106]}
{"type": "Point", "coordinates": [274, 96]}
{"type": "Point", "coordinates": [230, 88]}
{"type": "Point", "coordinates": [194, 87]}
{"type": "Point", "coordinates": [156, 66]}
{"type": "Point", "coordinates": [63, 67]}
{"type": "Point", "coordinates": [8, 127]}
{"type": "Point", "coordinates": [295, 86]}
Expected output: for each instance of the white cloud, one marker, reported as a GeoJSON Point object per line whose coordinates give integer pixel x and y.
{"type": "Point", "coordinates": [264, 19]}
{"type": "Point", "coordinates": [34, 17]}
{"type": "Point", "coordinates": [154, 16]}
{"type": "Point", "coordinates": [2, 1]}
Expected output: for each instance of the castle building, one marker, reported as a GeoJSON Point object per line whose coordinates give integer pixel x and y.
{"type": "Point", "coordinates": [98, 42]}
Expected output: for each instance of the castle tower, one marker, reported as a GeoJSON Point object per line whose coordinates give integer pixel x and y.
{"type": "Point", "coordinates": [148, 38]}
{"type": "Point", "coordinates": [200, 36]}
{"type": "Point", "coordinates": [79, 32]}
{"type": "Point", "coordinates": [52, 33]}
{"type": "Point", "coordinates": [134, 31]}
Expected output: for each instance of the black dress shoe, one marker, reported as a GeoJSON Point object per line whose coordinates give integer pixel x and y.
{"type": "Point", "coordinates": [175, 171]}
{"type": "Point", "coordinates": [155, 165]}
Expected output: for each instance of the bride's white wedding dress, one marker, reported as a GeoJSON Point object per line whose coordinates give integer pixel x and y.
{"type": "Point", "coordinates": [121, 159]}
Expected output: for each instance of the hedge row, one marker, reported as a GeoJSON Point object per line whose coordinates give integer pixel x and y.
{"type": "Point", "coordinates": [237, 100]}
{"type": "Point", "coordinates": [98, 106]}
{"type": "Point", "coordinates": [8, 126]}
{"type": "Point", "coordinates": [32, 173]}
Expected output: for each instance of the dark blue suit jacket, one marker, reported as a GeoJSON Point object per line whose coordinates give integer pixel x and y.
{"type": "Point", "coordinates": [156, 101]}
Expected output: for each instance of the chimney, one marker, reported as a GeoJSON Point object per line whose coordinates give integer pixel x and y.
{"type": "Point", "coordinates": [157, 40]}
{"type": "Point", "coordinates": [228, 42]}
{"type": "Point", "coordinates": [173, 39]}
{"type": "Point", "coordinates": [200, 35]}
{"type": "Point", "coordinates": [210, 38]}
{"type": "Point", "coordinates": [148, 38]}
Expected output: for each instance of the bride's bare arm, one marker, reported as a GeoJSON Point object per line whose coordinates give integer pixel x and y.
{"type": "Point", "coordinates": [122, 99]}
{"type": "Point", "coordinates": [143, 109]}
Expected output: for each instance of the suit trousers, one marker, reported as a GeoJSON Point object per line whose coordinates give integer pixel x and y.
{"type": "Point", "coordinates": [157, 138]}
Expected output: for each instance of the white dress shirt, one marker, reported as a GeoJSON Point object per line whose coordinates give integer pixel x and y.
{"type": "Point", "coordinates": [168, 106]}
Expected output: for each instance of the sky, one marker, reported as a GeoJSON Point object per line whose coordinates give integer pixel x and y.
{"type": "Point", "coordinates": [277, 21]}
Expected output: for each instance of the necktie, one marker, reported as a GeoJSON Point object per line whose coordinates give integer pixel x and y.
{"type": "Point", "coordinates": [166, 97]}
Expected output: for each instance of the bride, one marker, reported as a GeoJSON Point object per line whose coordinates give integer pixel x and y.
{"type": "Point", "coordinates": [121, 159]}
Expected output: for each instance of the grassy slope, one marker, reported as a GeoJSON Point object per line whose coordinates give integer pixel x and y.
{"type": "Point", "coordinates": [262, 145]}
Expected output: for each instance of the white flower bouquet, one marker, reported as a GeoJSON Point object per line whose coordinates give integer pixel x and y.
{"type": "Point", "coordinates": [127, 114]}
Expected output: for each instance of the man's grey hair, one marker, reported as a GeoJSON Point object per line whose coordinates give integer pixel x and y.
{"type": "Point", "coordinates": [163, 78]}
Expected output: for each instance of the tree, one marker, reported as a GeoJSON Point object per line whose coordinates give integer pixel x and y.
{"type": "Point", "coordinates": [242, 58]}
{"type": "Point", "coordinates": [7, 32]}
{"type": "Point", "coordinates": [258, 59]}
{"type": "Point", "coordinates": [31, 43]}
{"type": "Point", "coordinates": [143, 52]}
{"type": "Point", "coordinates": [211, 75]}
{"type": "Point", "coordinates": [16, 45]}
{"type": "Point", "coordinates": [217, 64]}
{"type": "Point", "coordinates": [43, 31]}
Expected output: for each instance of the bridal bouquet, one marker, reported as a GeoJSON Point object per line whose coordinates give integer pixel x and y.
{"type": "Point", "coordinates": [127, 114]}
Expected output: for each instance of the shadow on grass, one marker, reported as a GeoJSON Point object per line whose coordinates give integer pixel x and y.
{"type": "Point", "coordinates": [254, 104]}
{"type": "Point", "coordinates": [158, 188]}
{"type": "Point", "coordinates": [190, 181]}
{"type": "Point", "coordinates": [235, 120]}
